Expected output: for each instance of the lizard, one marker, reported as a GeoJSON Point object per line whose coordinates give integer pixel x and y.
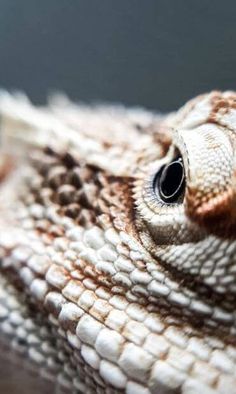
{"type": "Point", "coordinates": [118, 244]}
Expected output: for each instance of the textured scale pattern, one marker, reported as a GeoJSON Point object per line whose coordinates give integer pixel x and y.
{"type": "Point", "coordinates": [106, 288]}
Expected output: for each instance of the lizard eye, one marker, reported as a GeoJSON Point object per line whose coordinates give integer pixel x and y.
{"type": "Point", "coordinates": [169, 182]}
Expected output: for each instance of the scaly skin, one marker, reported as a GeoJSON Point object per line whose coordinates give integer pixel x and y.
{"type": "Point", "coordinates": [104, 285]}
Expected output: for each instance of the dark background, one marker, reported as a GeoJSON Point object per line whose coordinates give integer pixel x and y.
{"type": "Point", "coordinates": [154, 53]}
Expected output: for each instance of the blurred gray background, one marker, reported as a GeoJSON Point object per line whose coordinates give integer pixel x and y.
{"type": "Point", "coordinates": [155, 53]}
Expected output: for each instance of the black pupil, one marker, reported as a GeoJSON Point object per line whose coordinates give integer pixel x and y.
{"type": "Point", "coordinates": [171, 181]}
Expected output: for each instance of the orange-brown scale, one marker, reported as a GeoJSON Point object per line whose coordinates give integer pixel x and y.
{"type": "Point", "coordinates": [221, 105]}
{"type": "Point", "coordinates": [6, 166]}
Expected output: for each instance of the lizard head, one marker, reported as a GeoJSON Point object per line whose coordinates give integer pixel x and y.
{"type": "Point", "coordinates": [187, 200]}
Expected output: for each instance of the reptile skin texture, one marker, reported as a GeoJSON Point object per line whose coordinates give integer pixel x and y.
{"type": "Point", "coordinates": [118, 244]}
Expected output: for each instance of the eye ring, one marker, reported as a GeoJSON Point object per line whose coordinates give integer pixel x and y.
{"type": "Point", "coordinates": [169, 182]}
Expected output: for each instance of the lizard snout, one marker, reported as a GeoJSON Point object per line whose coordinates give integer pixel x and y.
{"type": "Point", "coordinates": [210, 198]}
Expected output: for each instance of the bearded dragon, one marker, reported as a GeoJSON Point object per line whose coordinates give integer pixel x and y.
{"type": "Point", "coordinates": [118, 244]}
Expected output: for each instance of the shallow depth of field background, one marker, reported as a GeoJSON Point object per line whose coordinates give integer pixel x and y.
{"type": "Point", "coordinates": [153, 53]}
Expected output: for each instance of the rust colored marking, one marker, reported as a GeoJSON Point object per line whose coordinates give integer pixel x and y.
{"type": "Point", "coordinates": [6, 166]}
